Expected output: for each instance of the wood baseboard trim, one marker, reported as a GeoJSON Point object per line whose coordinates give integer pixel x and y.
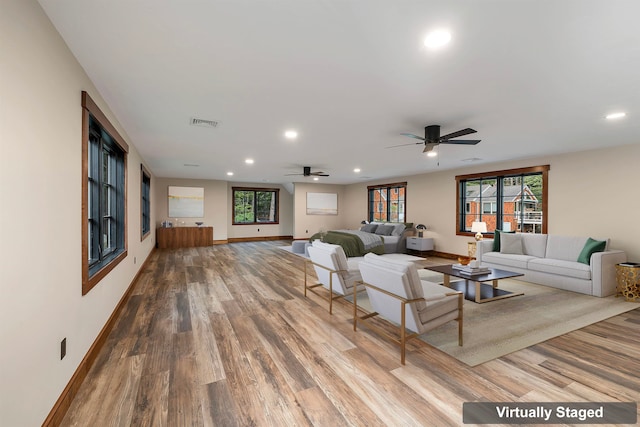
{"type": "Point", "coordinates": [444, 255]}
{"type": "Point", "coordinates": [220, 242]}
{"type": "Point", "coordinates": [63, 403]}
{"type": "Point", "coordinates": [258, 239]}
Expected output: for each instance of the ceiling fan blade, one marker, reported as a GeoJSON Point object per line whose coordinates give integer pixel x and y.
{"type": "Point", "coordinates": [462, 132]}
{"type": "Point", "coordinates": [292, 174]}
{"type": "Point", "coordinates": [403, 145]}
{"type": "Point", "coordinates": [410, 135]}
{"type": "Point", "coordinates": [318, 174]}
{"type": "Point", "coordinates": [462, 141]}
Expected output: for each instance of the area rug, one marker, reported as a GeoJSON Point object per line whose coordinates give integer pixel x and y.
{"type": "Point", "coordinates": [500, 327]}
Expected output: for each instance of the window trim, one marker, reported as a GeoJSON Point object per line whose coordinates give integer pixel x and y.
{"type": "Point", "coordinates": [388, 187]}
{"type": "Point", "coordinates": [542, 169]}
{"type": "Point", "coordinates": [255, 189]}
{"type": "Point", "coordinates": [90, 108]}
{"type": "Point", "coordinates": [144, 173]}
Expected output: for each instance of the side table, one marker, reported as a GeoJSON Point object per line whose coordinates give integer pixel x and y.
{"type": "Point", "coordinates": [419, 244]}
{"type": "Point", "coordinates": [628, 280]}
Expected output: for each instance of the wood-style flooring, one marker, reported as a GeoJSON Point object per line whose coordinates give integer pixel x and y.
{"type": "Point", "coordinates": [223, 336]}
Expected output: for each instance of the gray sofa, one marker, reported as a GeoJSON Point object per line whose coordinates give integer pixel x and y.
{"type": "Point", "coordinates": [551, 260]}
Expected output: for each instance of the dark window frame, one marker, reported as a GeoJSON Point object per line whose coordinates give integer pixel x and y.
{"type": "Point", "coordinates": [275, 191]}
{"type": "Point", "coordinates": [500, 176]}
{"type": "Point", "coordinates": [145, 203]}
{"type": "Point", "coordinates": [96, 125]}
{"type": "Point", "coordinates": [389, 189]}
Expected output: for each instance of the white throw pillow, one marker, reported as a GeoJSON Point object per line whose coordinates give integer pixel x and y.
{"type": "Point", "coordinates": [511, 243]}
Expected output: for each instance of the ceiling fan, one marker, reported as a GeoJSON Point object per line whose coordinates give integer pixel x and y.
{"type": "Point", "coordinates": [306, 171]}
{"type": "Point", "coordinates": [432, 138]}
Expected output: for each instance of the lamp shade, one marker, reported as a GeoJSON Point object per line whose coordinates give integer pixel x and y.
{"type": "Point", "coordinates": [421, 227]}
{"type": "Point", "coordinates": [364, 221]}
{"type": "Point", "coordinates": [478, 227]}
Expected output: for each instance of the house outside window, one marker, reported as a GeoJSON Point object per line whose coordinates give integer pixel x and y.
{"type": "Point", "coordinates": [255, 205]}
{"type": "Point", "coordinates": [387, 203]}
{"type": "Point", "coordinates": [510, 200]}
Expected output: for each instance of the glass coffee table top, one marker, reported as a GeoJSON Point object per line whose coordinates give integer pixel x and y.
{"type": "Point", "coordinates": [473, 286]}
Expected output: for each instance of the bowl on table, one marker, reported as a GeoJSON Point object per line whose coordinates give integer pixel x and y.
{"type": "Point", "coordinates": [464, 260]}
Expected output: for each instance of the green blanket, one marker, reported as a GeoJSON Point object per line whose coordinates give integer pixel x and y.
{"type": "Point", "coordinates": [351, 243]}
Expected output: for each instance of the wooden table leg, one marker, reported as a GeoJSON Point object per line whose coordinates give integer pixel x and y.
{"type": "Point", "coordinates": [478, 290]}
{"type": "Point", "coordinates": [447, 280]}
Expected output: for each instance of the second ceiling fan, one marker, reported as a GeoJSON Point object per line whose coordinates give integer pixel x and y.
{"type": "Point", "coordinates": [432, 138]}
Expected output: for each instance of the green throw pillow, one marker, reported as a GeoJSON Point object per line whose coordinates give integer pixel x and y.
{"type": "Point", "coordinates": [496, 239]}
{"type": "Point", "coordinates": [590, 248]}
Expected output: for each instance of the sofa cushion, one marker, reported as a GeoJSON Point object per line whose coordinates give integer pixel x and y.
{"type": "Point", "coordinates": [496, 239]}
{"type": "Point", "coordinates": [507, 260]}
{"type": "Point", "coordinates": [534, 244]}
{"type": "Point", "coordinates": [590, 247]}
{"type": "Point", "coordinates": [566, 248]}
{"type": "Point", "coordinates": [561, 267]}
{"type": "Point", "coordinates": [511, 244]}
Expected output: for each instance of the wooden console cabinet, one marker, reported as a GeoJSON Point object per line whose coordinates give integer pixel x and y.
{"type": "Point", "coordinates": [183, 237]}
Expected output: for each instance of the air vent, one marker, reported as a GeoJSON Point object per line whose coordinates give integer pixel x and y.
{"type": "Point", "coordinates": [203, 123]}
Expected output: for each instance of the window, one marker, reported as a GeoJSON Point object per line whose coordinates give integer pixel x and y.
{"type": "Point", "coordinates": [255, 205]}
{"type": "Point", "coordinates": [512, 200]}
{"type": "Point", "coordinates": [145, 202]}
{"type": "Point", "coordinates": [387, 202]}
{"type": "Point", "coordinates": [104, 157]}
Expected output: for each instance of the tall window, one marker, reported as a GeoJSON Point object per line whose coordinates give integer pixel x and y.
{"type": "Point", "coordinates": [104, 156]}
{"type": "Point", "coordinates": [145, 202]}
{"type": "Point", "coordinates": [387, 202]}
{"type": "Point", "coordinates": [255, 205]}
{"type": "Point", "coordinates": [510, 200]}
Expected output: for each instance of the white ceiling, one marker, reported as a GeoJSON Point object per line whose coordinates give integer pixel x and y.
{"type": "Point", "coordinates": [533, 77]}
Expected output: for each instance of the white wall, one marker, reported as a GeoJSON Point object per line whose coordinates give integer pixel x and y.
{"type": "Point", "coordinates": [215, 203]}
{"type": "Point", "coordinates": [591, 193]}
{"type": "Point", "coordinates": [307, 225]}
{"type": "Point", "coordinates": [40, 236]}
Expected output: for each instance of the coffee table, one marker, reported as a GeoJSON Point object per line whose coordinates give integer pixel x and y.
{"type": "Point", "coordinates": [478, 291]}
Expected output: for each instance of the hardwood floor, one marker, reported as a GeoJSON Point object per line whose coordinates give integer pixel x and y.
{"type": "Point", "coordinates": [224, 336]}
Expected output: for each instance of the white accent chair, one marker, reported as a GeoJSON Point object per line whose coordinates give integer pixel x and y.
{"type": "Point", "coordinates": [392, 286]}
{"type": "Point", "coordinates": [334, 271]}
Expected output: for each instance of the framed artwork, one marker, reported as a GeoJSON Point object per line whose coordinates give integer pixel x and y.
{"type": "Point", "coordinates": [322, 204]}
{"type": "Point", "coordinates": [186, 202]}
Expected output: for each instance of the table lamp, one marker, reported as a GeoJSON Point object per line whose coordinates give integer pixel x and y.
{"type": "Point", "coordinates": [478, 227]}
{"type": "Point", "coordinates": [420, 228]}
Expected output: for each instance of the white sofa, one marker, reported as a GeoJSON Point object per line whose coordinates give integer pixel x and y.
{"type": "Point", "coordinates": [551, 260]}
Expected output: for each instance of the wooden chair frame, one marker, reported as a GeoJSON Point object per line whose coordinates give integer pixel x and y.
{"type": "Point", "coordinates": [404, 337]}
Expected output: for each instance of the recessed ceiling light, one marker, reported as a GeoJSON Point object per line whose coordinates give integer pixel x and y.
{"type": "Point", "coordinates": [315, 178]}
{"type": "Point", "coordinates": [437, 38]}
{"type": "Point", "coordinates": [432, 153]}
{"type": "Point", "coordinates": [230, 173]}
{"type": "Point", "coordinates": [291, 134]}
{"type": "Point", "coordinates": [613, 116]}
{"type": "Point", "coordinates": [357, 170]}
{"type": "Point", "coordinates": [249, 161]}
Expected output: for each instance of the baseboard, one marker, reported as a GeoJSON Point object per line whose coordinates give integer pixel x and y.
{"type": "Point", "coordinates": [63, 403]}
{"type": "Point", "coordinates": [444, 255]}
{"type": "Point", "coordinates": [258, 239]}
{"type": "Point", "coordinates": [220, 242]}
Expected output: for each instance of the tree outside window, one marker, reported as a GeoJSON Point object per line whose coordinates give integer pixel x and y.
{"type": "Point", "coordinates": [255, 205]}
